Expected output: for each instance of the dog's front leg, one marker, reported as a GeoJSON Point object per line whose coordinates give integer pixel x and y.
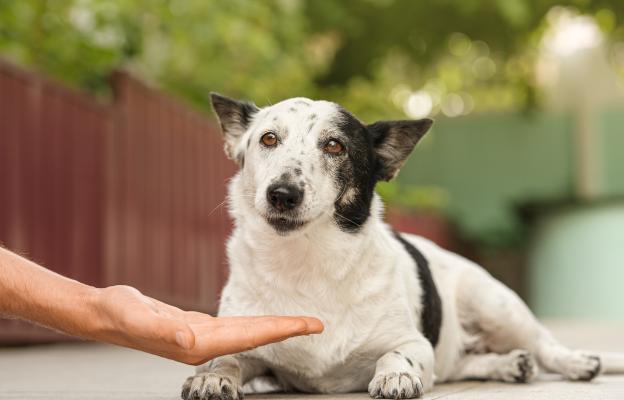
{"type": "Point", "coordinates": [405, 372]}
{"type": "Point", "coordinates": [221, 378]}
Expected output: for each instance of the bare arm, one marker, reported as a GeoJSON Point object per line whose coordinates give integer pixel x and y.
{"type": "Point", "coordinates": [122, 315]}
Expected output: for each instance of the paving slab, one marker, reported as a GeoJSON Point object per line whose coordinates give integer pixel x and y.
{"type": "Point", "coordinates": [96, 371]}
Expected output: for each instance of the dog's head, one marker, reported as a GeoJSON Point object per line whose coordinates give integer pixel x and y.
{"type": "Point", "coordinates": [303, 160]}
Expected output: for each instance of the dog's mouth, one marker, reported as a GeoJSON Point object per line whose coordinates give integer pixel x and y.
{"type": "Point", "coordinates": [284, 224]}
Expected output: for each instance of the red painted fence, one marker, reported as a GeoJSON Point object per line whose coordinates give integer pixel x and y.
{"type": "Point", "coordinates": [121, 193]}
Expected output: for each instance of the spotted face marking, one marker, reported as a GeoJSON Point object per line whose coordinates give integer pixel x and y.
{"type": "Point", "coordinates": [339, 160]}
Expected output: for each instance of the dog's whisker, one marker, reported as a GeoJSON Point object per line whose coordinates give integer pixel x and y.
{"type": "Point", "coordinates": [346, 219]}
{"type": "Point", "coordinates": [344, 190]}
{"type": "Point", "coordinates": [218, 205]}
{"type": "Point", "coordinates": [228, 199]}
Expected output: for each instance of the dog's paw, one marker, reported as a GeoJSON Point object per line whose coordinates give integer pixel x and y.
{"type": "Point", "coordinates": [396, 385]}
{"type": "Point", "coordinates": [582, 366]}
{"type": "Point", "coordinates": [520, 367]}
{"type": "Point", "coordinates": [206, 386]}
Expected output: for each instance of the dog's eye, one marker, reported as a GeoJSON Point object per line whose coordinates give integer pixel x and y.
{"type": "Point", "coordinates": [269, 139]}
{"type": "Point", "coordinates": [333, 147]}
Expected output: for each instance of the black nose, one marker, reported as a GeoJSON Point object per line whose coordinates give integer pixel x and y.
{"type": "Point", "coordinates": [284, 197]}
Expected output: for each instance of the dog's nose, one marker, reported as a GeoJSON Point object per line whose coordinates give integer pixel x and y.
{"type": "Point", "coordinates": [284, 197]}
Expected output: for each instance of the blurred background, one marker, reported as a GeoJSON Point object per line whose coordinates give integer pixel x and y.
{"type": "Point", "coordinates": [111, 165]}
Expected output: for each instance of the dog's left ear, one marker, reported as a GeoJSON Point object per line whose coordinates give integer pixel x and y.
{"type": "Point", "coordinates": [234, 117]}
{"type": "Point", "coordinates": [394, 141]}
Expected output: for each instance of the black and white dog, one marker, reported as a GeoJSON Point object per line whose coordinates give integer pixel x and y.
{"type": "Point", "coordinates": [400, 313]}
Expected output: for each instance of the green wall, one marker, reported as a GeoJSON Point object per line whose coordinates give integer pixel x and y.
{"type": "Point", "coordinates": [577, 263]}
{"type": "Point", "coordinates": [490, 164]}
{"type": "Point", "coordinates": [612, 135]}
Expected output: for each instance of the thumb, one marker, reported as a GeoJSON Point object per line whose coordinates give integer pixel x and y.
{"type": "Point", "coordinates": [177, 333]}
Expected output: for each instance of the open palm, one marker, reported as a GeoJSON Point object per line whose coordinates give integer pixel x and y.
{"type": "Point", "coordinates": [129, 318]}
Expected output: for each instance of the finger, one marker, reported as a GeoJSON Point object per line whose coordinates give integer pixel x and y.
{"type": "Point", "coordinates": [276, 328]}
{"type": "Point", "coordinates": [234, 335]}
{"type": "Point", "coordinates": [314, 324]}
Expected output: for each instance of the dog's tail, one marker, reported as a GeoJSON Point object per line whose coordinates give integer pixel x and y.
{"type": "Point", "coordinates": [612, 363]}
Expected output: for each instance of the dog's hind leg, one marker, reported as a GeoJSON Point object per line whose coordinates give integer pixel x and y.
{"type": "Point", "coordinates": [573, 364]}
{"type": "Point", "coordinates": [517, 366]}
{"type": "Point", "coordinates": [504, 323]}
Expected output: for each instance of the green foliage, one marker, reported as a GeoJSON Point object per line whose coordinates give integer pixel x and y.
{"type": "Point", "coordinates": [372, 56]}
{"type": "Point", "coordinates": [367, 54]}
{"type": "Point", "coordinates": [243, 48]}
{"type": "Point", "coordinates": [413, 197]}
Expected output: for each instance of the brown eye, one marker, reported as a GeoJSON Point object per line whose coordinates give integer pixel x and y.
{"type": "Point", "coordinates": [269, 139]}
{"type": "Point", "coordinates": [333, 147]}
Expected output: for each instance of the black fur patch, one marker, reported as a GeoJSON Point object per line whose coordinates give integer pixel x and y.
{"type": "Point", "coordinates": [409, 361]}
{"type": "Point", "coordinates": [298, 171]}
{"type": "Point", "coordinates": [356, 170]}
{"type": "Point", "coordinates": [303, 103]}
{"type": "Point", "coordinates": [431, 314]}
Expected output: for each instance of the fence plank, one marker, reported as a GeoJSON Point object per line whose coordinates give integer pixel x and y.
{"type": "Point", "coordinates": [115, 193]}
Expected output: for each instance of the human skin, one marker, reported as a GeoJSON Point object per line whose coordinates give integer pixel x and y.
{"type": "Point", "coordinates": [123, 316]}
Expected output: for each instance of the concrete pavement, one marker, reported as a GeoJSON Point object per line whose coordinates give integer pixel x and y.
{"type": "Point", "coordinates": [94, 371]}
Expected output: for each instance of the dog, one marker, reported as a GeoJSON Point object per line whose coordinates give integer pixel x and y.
{"type": "Point", "coordinates": [400, 313]}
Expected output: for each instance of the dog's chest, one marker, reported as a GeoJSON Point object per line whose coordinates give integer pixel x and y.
{"type": "Point", "coordinates": [360, 321]}
{"type": "Point", "coordinates": [364, 308]}
{"type": "Point", "coordinates": [346, 325]}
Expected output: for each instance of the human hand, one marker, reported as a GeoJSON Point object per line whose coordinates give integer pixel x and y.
{"type": "Point", "coordinates": [128, 318]}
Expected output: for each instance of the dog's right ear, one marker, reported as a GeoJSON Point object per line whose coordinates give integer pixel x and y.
{"type": "Point", "coordinates": [234, 117]}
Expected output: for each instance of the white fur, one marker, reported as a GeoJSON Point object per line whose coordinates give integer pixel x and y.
{"type": "Point", "coordinates": [364, 287]}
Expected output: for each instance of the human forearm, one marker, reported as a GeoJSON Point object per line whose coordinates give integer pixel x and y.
{"type": "Point", "coordinates": [124, 316]}
{"type": "Point", "coordinates": [31, 292]}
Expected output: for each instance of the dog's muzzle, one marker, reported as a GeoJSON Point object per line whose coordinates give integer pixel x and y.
{"type": "Point", "coordinates": [284, 197]}
{"type": "Point", "coordinates": [284, 200]}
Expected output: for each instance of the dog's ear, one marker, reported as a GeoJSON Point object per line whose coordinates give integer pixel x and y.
{"type": "Point", "coordinates": [394, 141]}
{"type": "Point", "coordinates": [234, 117]}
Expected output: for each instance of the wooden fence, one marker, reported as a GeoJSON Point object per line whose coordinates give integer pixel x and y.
{"type": "Point", "coordinates": [127, 192]}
